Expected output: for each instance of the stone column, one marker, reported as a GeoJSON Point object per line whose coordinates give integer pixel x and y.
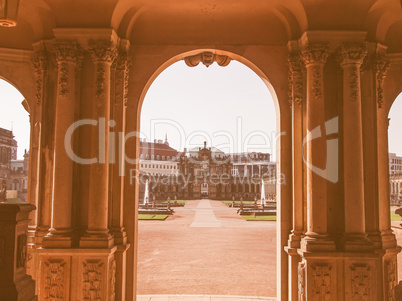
{"type": "Point", "coordinates": [381, 66]}
{"type": "Point", "coordinates": [97, 234]}
{"type": "Point", "coordinates": [119, 106]}
{"type": "Point", "coordinates": [296, 102]}
{"type": "Point", "coordinates": [350, 58]}
{"type": "Point", "coordinates": [67, 54]}
{"type": "Point", "coordinates": [314, 57]}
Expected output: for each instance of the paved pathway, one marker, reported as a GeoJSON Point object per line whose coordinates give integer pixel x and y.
{"type": "Point", "coordinates": [205, 216]}
{"type": "Point", "coordinates": [200, 298]}
{"type": "Point", "coordinates": [206, 251]}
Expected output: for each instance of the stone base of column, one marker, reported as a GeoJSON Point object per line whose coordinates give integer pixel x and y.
{"type": "Point", "coordinates": [317, 243]}
{"type": "Point", "coordinates": [375, 238]}
{"type": "Point", "coordinates": [58, 239]}
{"type": "Point", "coordinates": [388, 239]}
{"type": "Point", "coordinates": [369, 276]}
{"type": "Point", "coordinates": [356, 243]}
{"type": "Point", "coordinates": [294, 260]}
{"type": "Point", "coordinates": [96, 240]}
{"type": "Point", "coordinates": [76, 274]}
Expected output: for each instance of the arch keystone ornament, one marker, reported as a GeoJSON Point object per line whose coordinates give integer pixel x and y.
{"type": "Point", "coordinates": [207, 58]}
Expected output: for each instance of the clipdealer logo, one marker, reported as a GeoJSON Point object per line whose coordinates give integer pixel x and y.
{"type": "Point", "coordinates": [331, 172]}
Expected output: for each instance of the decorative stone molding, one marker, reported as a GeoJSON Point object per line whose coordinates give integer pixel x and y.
{"type": "Point", "coordinates": [100, 79]}
{"type": "Point", "coordinates": [66, 52]}
{"type": "Point", "coordinates": [302, 281]}
{"type": "Point", "coordinates": [315, 56]}
{"type": "Point", "coordinates": [391, 279]}
{"type": "Point", "coordinates": [93, 280]}
{"type": "Point", "coordinates": [381, 65]}
{"type": "Point", "coordinates": [316, 53]}
{"type": "Point", "coordinates": [352, 55]}
{"type": "Point", "coordinates": [207, 58]}
{"type": "Point", "coordinates": [21, 250]}
{"type": "Point", "coordinates": [321, 284]}
{"type": "Point", "coordinates": [360, 282]}
{"type": "Point", "coordinates": [112, 280]}
{"type": "Point", "coordinates": [354, 83]}
{"type": "Point", "coordinates": [103, 53]}
{"type": "Point", "coordinates": [123, 64]}
{"type": "Point", "coordinates": [295, 77]}
{"type": "Point", "coordinates": [102, 50]}
{"type": "Point", "coordinates": [39, 65]}
{"type": "Point", "coordinates": [54, 280]}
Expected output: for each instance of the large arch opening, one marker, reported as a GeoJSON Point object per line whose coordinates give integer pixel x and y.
{"type": "Point", "coordinates": [188, 152]}
{"type": "Point", "coordinates": [395, 170]}
{"type": "Point", "coordinates": [14, 144]}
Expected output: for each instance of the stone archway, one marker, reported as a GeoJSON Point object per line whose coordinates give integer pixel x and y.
{"type": "Point", "coordinates": [222, 57]}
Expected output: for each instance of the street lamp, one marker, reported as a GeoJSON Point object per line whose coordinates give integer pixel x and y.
{"type": "Point", "coordinates": [8, 12]}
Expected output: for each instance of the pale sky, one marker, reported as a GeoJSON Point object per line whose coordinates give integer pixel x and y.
{"type": "Point", "coordinates": [13, 116]}
{"type": "Point", "coordinates": [229, 107]}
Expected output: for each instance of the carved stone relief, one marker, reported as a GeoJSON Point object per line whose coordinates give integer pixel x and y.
{"type": "Point", "coordinates": [381, 65]}
{"type": "Point", "coordinates": [207, 58]}
{"type": "Point", "coordinates": [302, 281]}
{"type": "Point", "coordinates": [315, 55]}
{"type": "Point", "coordinates": [360, 282]}
{"type": "Point", "coordinates": [321, 282]}
{"type": "Point", "coordinates": [21, 250]}
{"type": "Point", "coordinates": [92, 280]}
{"type": "Point", "coordinates": [295, 78]}
{"type": "Point", "coordinates": [391, 278]}
{"type": "Point", "coordinates": [54, 280]}
{"type": "Point", "coordinates": [112, 280]}
{"type": "Point", "coordinates": [39, 64]}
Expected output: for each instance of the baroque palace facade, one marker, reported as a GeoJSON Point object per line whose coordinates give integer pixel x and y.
{"type": "Point", "coordinates": [203, 173]}
{"type": "Point", "coordinates": [333, 69]}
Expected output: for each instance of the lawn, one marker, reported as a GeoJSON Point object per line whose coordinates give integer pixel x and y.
{"type": "Point", "coordinates": [259, 218]}
{"type": "Point", "coordinates": [149, 217]}
{"type": "Point", "coordinates": [237, 202]}
{"type": "Point", "coordinates": [172, 202]}
{"type": "Point", "coordinates": [395, 217]}
{"type": "Point", "coordinates": [15, 201]}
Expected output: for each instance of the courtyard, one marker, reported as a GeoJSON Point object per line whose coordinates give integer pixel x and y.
{"type": "Point", "coordinates": [206, 248]}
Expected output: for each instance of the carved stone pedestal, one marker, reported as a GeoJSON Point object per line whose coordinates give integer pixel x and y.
{"type": "Point", "coordinates": [346, 276]}
{"type": "Point", "coordinates": [77, 274]}
{"type": "Point", "coordinates": [15, 284]}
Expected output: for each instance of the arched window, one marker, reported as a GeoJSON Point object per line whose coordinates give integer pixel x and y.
{"type": "Point", "coordinates": [163, 157]}
{"type": "Point", "coordinates": [157, 157]}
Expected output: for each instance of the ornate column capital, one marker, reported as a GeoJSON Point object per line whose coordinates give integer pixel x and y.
{"type": "Point", "coordinates": [316, 53]}
{"type": "Point", "coordinates": [295, 78]}
{"type": "Point", "coordinates": [352, 53]}
{"type": "Point", "coordinates": [102, 50]}
{"type": "Point", "coordinates": [39, 61]}
{"type": "Point", "coordinates": [381, 67]}
{"type": "Point", "coordinates": [67, 51]}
